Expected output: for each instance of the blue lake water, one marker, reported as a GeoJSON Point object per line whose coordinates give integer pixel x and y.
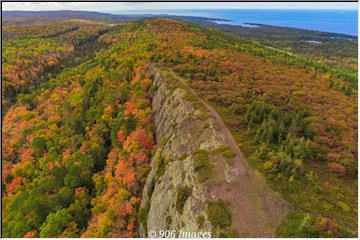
{"type": "Point", "coordinates": [336, 21]}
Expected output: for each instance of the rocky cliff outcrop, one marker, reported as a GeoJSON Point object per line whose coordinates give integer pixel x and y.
{"type": "Point", "coordinates": [193, 167]}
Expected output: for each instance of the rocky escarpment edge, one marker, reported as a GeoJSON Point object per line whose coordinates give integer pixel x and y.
{"type": "Point", "coordinates": [183, 130]}
{"type": "Point", "coordinates": [198, 182]}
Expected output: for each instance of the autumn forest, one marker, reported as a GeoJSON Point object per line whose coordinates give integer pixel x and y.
{"type": "Point", "coordinates": [91, 132]}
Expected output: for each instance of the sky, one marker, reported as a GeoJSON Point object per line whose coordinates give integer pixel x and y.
{"type": "Point", "coordinates": [126, 6]}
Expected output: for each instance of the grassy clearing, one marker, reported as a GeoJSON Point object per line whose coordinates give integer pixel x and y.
{"type": "Point", "coordinates": [219, 215]}
{"type": "Point", "coordinates": [202, 165]}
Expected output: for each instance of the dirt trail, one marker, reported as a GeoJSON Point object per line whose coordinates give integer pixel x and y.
{"type": "Point", "coordinates": [256, 208]}
{"type": "Point", "coordinates": [229, 138]}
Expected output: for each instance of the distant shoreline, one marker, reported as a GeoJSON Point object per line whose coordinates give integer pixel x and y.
{"type": "Point", "coordinates": [329, 34]}
{"type": "Point", "coordinates": [134, 15]}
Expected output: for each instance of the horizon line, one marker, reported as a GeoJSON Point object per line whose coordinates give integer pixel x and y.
{"type": "Point", "coordinates": [184, 9]}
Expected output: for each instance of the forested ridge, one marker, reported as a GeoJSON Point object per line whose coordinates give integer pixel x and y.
{"type": "Point", "coordinates": [76, 145]}
{"type": "Point", "coordinates": [33, 54]}
{"type": "Point", "coordinates": [337, 49]}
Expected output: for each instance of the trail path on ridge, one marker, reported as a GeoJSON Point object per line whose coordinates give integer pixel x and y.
{"type": "Point", "coordinates": [229, 138]}
{"type": "Point", "coordinates": [256, 208]}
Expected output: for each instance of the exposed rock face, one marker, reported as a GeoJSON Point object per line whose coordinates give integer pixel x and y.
{"type": "Point", "coordinates": [182, 126]}
{"type": "Point", "coordinates": [179, 129]}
